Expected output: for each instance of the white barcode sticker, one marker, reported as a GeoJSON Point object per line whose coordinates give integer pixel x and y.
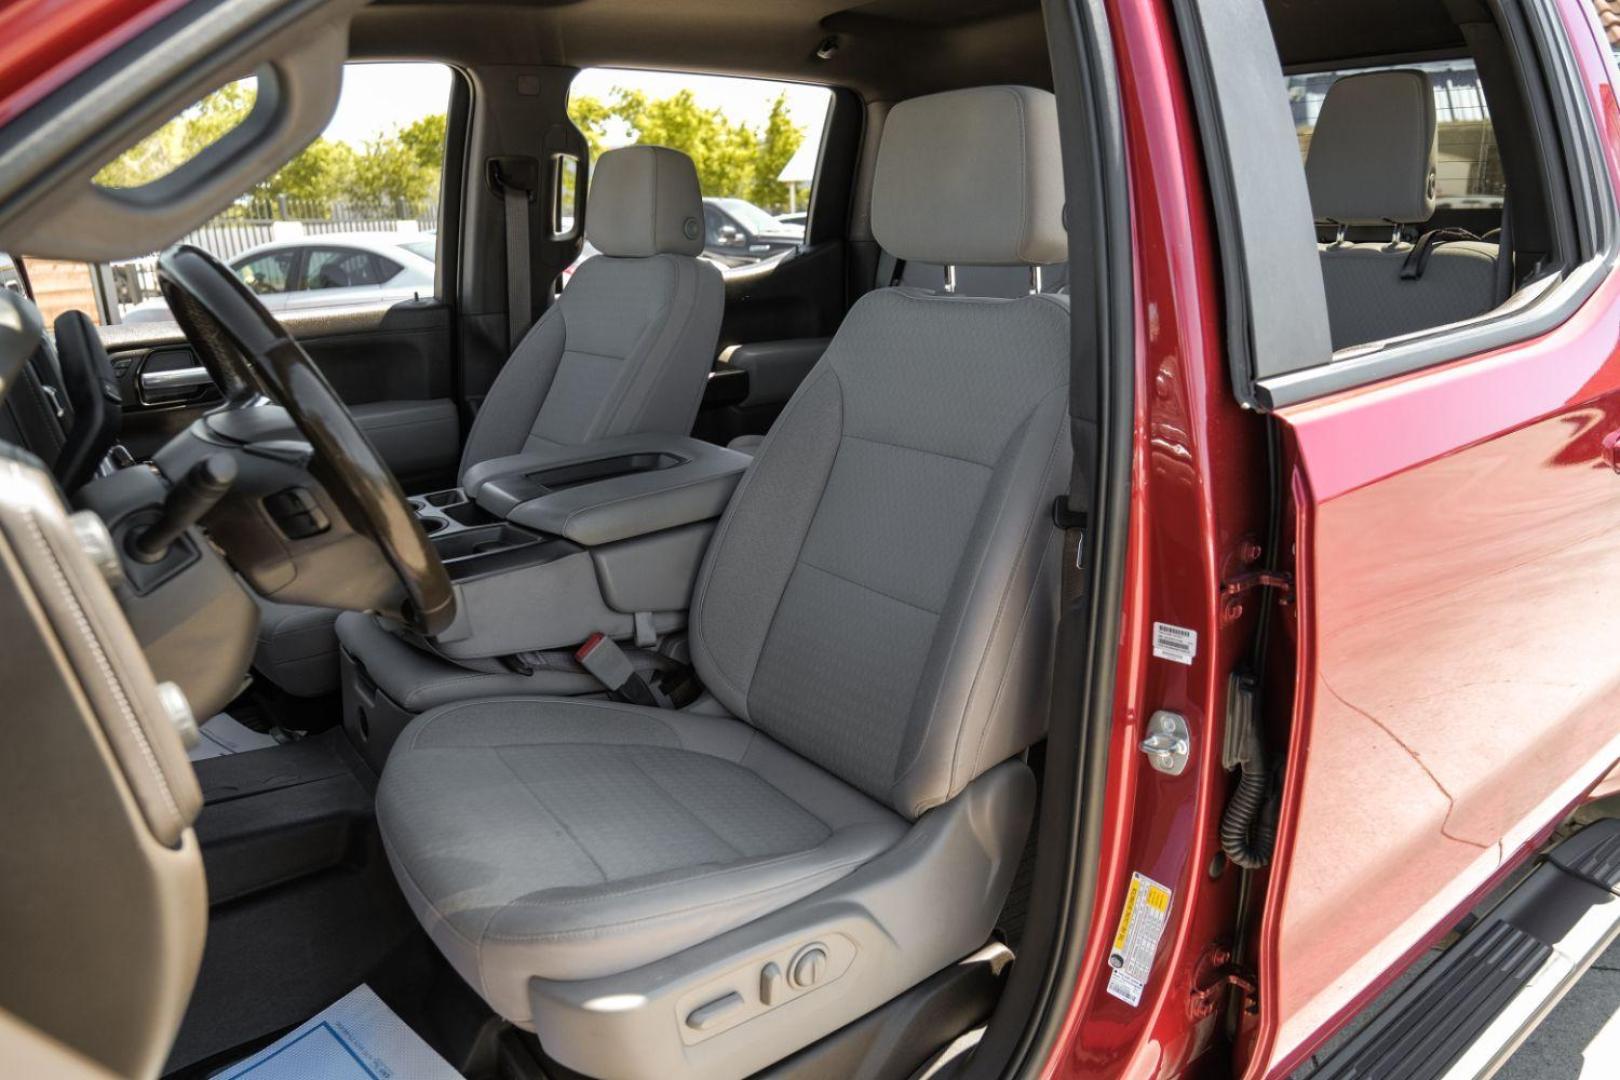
{"type": "Point", "coordinates": [1136, 942]}
{"type": "Point", "coordinates": [1175, 643]}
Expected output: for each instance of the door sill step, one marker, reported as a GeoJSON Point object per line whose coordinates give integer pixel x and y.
{"type": "Point", "coordinates": [1471, 1009]}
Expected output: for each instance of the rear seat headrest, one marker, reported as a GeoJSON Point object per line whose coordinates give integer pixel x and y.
{"type": "Point", "coordinates": [1372, 155]}
{"type": "Point", "coordinates": [972, 178]}
{"type": "Point", "coordinates": [644, 200]}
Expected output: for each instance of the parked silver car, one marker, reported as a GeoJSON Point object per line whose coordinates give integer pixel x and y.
{"type": "Point", "coordinates": [334, 270]}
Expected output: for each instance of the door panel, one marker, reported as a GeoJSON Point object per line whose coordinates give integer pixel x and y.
{"type": "Point", "coordinates": [390, 364]}
{"type": "Point", "coordinates": [1460, 680]}
{"type": "Point", "coordinates": [796, 298]}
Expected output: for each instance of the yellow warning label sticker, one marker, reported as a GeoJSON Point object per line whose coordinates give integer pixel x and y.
{"type": "Point", "coordinates": [1136, 942]}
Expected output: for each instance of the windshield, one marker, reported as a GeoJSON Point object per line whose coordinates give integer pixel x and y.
{"type": "Point", "coordinates": [428, 248]}
{"type": "Point", "coordinates": [752, 217]}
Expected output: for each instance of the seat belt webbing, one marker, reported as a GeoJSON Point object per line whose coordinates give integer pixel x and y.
{"type": "Point", "coordinates": [519, 299]}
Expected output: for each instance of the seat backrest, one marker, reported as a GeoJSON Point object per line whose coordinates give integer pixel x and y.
{"type": "Point", "coordinates": [881, 594]}
{"type": "Point", "coordinates": [63, 406]}
{"type": "Point", "coordinates": [628, 346]}
{"type": "Point", "coordinates": [34, 409]}
{"type": "Point", "coordinates": [1372, 162]}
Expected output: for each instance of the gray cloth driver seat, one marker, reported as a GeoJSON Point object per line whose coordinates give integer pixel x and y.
{"type": "Point", "coordinates": [626, 349]}
{"type": "Point", "coordinates": [663, 893]}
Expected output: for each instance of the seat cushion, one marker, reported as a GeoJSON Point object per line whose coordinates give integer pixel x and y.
{"type": "Point", "coordinates": [416, 680]}
{"type": "Point", "coordinates": [573, 839]}
{"type": "Point", "coordinates": [1368, 300]}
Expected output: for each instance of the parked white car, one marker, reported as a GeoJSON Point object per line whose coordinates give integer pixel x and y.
{"type": "Point", "coordinates": [334, 270]}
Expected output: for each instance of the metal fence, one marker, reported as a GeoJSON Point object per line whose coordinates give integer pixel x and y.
{"type": "Point", "coordinates": [244, 226]}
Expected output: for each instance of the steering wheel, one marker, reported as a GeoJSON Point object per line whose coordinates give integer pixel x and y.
{"type": "Point", "coordinates": [255, 363]}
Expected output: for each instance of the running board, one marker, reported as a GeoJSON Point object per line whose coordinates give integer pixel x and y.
{"type": "Point", "coordinates": [1471, 1009]}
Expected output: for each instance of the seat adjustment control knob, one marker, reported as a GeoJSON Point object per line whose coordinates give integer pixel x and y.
{"type": "Point", "coordinates": [708, 1015]}
{"type": "Point", "coordinates": [808, 966]}
{"type": "Point", "coordinates": [770, 984]}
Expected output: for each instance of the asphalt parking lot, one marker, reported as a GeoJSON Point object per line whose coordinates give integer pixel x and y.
{"type": "Point", "coordinates": [1581, 1037]}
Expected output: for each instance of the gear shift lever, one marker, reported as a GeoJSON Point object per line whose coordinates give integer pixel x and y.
{"type": "Point", "coordinates": [204, 484]}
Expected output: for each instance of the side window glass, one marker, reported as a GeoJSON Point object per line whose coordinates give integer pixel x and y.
{"type": "Point", "coordinates": [335, 268]}
{"type": "Point", "coordinates": [370, 183]}
{"type": "Point", "coordinates": [755, 144]}
{"type": "Point", "coordinates": [269, 273]}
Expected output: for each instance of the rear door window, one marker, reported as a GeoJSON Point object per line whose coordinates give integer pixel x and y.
{"type": "Point", "coordinates": [269, 273]}
{"type": "Point", "coordinates": [339, 268]}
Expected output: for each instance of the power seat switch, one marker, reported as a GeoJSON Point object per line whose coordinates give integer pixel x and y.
{"type": "Point", "coordinates": [706, 1016]}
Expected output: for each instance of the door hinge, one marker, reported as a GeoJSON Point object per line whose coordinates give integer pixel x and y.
{"type": "Point", "coordinates": [1217, 970]}
{"type": "Point", "coordinates": [1233, 591]}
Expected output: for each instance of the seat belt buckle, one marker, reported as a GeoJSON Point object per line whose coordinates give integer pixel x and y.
{"type": "Point", "coordinates": [607, 663]}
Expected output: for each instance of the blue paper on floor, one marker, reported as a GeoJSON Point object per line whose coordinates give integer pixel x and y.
{"type": "Point", "coordinates": [355, 1038]}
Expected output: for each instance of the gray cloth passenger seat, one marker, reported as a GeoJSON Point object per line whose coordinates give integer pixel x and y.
{"type": "Point", "coordinates": [626, 349]}
{"type": "Point", "coordinates": [1006, 282]}
{"type": "Point", "coordinates": [1372, 162]}
{"type": "Point", "coordinates": [701, 892]}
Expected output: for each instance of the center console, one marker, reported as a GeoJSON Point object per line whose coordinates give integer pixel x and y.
{"type": "Point", "coordinates": [548, 547]}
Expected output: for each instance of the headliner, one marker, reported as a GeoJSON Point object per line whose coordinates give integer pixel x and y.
{"type": "Point", "coordinates": [887, 49]}
{"type": "Point", "coordinates": [1328, 33]}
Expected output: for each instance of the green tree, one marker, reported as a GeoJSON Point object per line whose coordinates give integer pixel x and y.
{"type": "Point", "coordinates": [591, 116]}
{"type": "Point", "coordinates": [424, 139]}
{"type": "Point", "coordinates": [387, 170]}
{"type": "Point", "coordinates": [317, 175]}
{"type": "Point", "coordinates": [778, 142]}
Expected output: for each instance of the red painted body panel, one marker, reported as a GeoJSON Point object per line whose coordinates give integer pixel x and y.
{"type": "Point", "coordinates": [1460, 606]}
{"type": "Point", "coordinates": [43, 43]}
{"type": "Point", "coordinates": [1458, 603]}
{"type": "Point", "coordinates": [1194, 501]}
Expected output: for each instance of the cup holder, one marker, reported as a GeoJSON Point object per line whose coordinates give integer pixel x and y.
{"type": "Point", "coordinates": [431, 525]}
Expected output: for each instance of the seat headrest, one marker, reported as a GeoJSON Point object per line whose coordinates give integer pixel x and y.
{"type": "Point", "coordinates": [972, 178]}
{"type": "Point", "coordinates": [645, 201]}
{"type": "Point", "coordinates": [1372, 155]}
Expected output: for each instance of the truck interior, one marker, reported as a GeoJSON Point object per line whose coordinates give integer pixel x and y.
{"type": "Point", "coordinates": [633, 659]}
{"type": "Point", "coordinates": [554, 573]}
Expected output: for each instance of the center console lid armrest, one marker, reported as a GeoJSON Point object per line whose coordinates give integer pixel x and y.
{"type": "Point", "coordinates": [612, 489]}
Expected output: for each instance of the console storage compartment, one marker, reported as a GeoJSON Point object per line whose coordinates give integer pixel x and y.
{"type": "Point", "coordinates": [546, 549]}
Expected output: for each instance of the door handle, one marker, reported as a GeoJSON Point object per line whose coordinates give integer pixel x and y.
{"type": "Point", "coordinates": [190, 378]}
{"type": "Point", "coordinates": [1611, 450]}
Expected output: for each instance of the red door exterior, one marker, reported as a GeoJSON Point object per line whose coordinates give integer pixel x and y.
{"type": "Point", "coordinates": [1459, 657]}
